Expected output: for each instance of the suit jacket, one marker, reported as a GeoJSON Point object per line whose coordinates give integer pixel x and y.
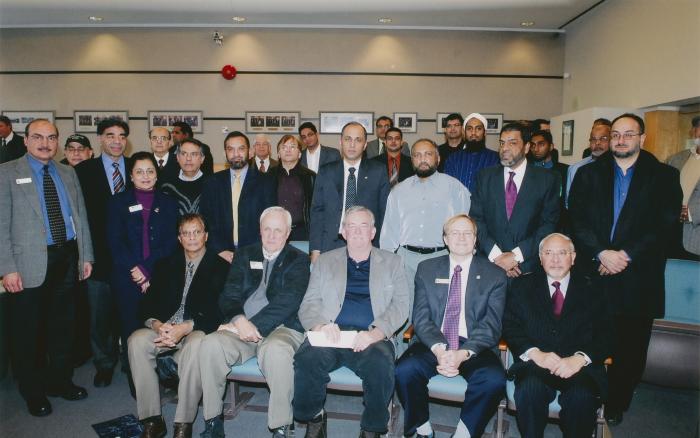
{"type": "Point", "coordinates": [535, 214]}
{"type": "Point", "coordinates": [273, 163]}
{"type": "Point", "coordinates": [483, 306]}
{"type": "Point", "coordinates": [168, 281]}
{"type": "Point", "coordinates": [327, 204]}
{"type": "Point", "coordinates": [258, 193]}
{"type": "Point", "coordinates": [328, 155]}
{"type": "Point", "coordinates": [405, 169]}
{"type": "Point", "coordinates": [285, 289]}
{"type": "Point", "coordinates": [691, 230]}
{"type": "Point", "coordinates": [307, 177]}
{"type": "Point", "coordinates": [22, 229]}
{"type": "Point", "coordinates": [15, 148]}
{"type": "Point", "coordinates": [372, 149]}
{"type": "Point", "coordinates": [585, 324]}
{"type": "Point", "coordinates": [643, 229]}
{"type": "Point", "coordinates": [388, 290]}
{"type": "Point", "coordinates": [170, 171]}
{"type": "Point", "coordinates": [95, 184]}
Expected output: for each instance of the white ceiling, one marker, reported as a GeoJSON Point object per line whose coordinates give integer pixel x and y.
{"type": "Point", "coordinates": [432, 14]}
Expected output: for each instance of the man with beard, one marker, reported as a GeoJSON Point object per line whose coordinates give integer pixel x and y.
{"type": "Point", "coordinates": [454, 138]}
{"type": "Point", "coordinates": [464, 165]}
{"type": "Point", "coordinates": [398, 165]}
{"type": "Point", "coordinates": [233, 199]}
{"type": "Point", "coordinates": [599, 142]}
{"type": "Point", "coordinates": [623, 210]}
{"type": "Point", "coordinates": [514, 205]}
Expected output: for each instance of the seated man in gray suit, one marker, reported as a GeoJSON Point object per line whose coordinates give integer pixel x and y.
{"type": "Point", "coordinates": [265, 286]}
{"type": "Point", "coordinates": [371, 298]}
{"type": "Point", "coordinates": [459, 302]}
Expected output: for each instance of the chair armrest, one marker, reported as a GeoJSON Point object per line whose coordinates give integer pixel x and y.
{"type": "Point", "coordinates": [408, 334]}
{"type": "Point", "coordinates": [502, 345]}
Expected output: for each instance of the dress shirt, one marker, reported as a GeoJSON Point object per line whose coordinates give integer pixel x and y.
{"type": "Point", "coordinates": [621, 189]}
{"type": "Point", "coordinates": [259, 162]}
{"type": "Point", "coordinates": [417, 208]}
{"type": "Point", "coordinates": [164, 158]}
{"type": "Point", "coordinates": [346, 173]}
{"type": "Point", "coordinates": [390, 162]}
{"type": "Point", "coordinates": [37, 168]}
{"type": "Point", "coordinates": [109, 170]}
{"type": "Point", "coordinates": [518, 180]}
{"type": "Point", "coordinates": [313, 158]}
{"type": "Point", "coordinates": [9, 137]}
{"type": "Point", "coordinates": [464, 275]}
{"type": "Point", "coordinates": [572, 173]}
{"type": "Point", "coordinates": [243, 173]}
{"type": "Point", "coordinates": [184, 177]}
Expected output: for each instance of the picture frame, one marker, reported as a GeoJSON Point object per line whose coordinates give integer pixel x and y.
{"type": "Point", "coordinates": [494, 123]}
{"type": "Point", "coordinates": [87, 120]}
{"type": "Point", "coordinates": [166, 119]}
{"type": "Point", "coordinates": [332, 122]}
{"type": "Point", "coordinates": [20, 119]}
{"type": "Point", "coordinates": [406, 122]}
{"type": "Point", "coordinates": [567, 138]}
{"type": "Point", "coordinates": [441, 123]}
{"type": "Point", "coordinates": [272, 122]}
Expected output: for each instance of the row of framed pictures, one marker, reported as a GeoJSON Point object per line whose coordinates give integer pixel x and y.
{"type": "Point", "coordinates": [270, 122]}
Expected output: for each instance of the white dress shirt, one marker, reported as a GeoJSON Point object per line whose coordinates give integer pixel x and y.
{"type": "Point", "coordinates": [346, 173]}
{"type": "Point", "coordinates": [518, 180]}
{"type": "Point", "coordinates": [259, 162]}
{"type": "Point", "coordinates": [313, 159]}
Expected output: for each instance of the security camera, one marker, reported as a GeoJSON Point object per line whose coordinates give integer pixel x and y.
{"type": "Point", "coordinates": [218, 38]}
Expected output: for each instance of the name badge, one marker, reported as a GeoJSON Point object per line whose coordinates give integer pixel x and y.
{"type": "Point", "coordinates": [23, 180]}
{"type": "Point", "coordinates": [256, 265]}
{"type": "Point", "coordinates": [137, 207]}
{"type": "Point", "coordinates": [442, 281]}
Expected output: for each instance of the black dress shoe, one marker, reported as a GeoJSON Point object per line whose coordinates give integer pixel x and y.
{"type": "Point", "coordinates": [103, 378]}
{"type": "Point", "coordinates": [614, 417]}
{"type": "Point", "coordinates": [39, 407]}
{"type": "Point", "coordinates": [286, 431]}
{"type": "Point", "coordinates": [365, 434]}
{"type": "Point", "coordinates": [182, 430]}
{"type": "Point", "coordinates": [71, 392]}
{"type": "Point", "coordinates": [153, 427]}
{"type": "Point", "coordinates": [318, 427]}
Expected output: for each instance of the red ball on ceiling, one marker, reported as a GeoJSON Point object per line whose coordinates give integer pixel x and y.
{"type": "Point", "coordinates": [228, 72]}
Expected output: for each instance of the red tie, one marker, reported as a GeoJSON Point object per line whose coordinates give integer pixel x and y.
{"type": "Point", "coordinates": [557, 300]}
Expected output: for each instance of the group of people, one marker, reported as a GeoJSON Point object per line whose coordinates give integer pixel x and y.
{"type": "Point", "coordinates": [195, 272]}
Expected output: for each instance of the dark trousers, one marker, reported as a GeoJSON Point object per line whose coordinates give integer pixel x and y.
{"type": "Point", "coordinates": [374, 365]}
{"type": "Point", "coordinates": [41, 320]}
{"type": "Point", "coordinates": [486, 384]}
{"type": "Point", "coordinates": [81, 346]}
{"type": "Point", "coordinates": [629, 360]}
{"type": "Point", "coordinates": [535, 388]}
{"type": "Point", "coordinates": [103, 324]}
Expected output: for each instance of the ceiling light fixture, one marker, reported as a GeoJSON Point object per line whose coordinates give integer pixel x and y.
{"type": "Point", "coordinates": [527, 23]}
{"type": "Point", "coordinates": [385, 20]}
{"type": "Point", "coordinates": [238, 19]}
{"type": "Point", "coordinates": [96, 19]}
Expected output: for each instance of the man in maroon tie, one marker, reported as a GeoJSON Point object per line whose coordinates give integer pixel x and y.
{"type": "Point", "coordinates": [459, 300]}
{"type": "Point", "coordinates": [558, 328]}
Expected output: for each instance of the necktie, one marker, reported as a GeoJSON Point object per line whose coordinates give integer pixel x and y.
{"type": "Point", "coordinates": [262, 166]}
{"type": "Point", "coordinates": [557, 300]}
{"type": "Point", "coordinates": [3, 142]}
{"type": "Point", "coordinates": [180, 314]}
{"type": "Point", "coordinates": [394, 177]}
{"type": "Point", "coordinates": [235, 197]}
{"type": "Point", "coordinates": [160, 163]}
{"type": "Point", "coordinates": [3, 151]}
{"type": "Point", "coordinates": [511, 194]}
{"type": "Point", "coordinates": [117, 180]}
{"type": "Point", "coordinates": [351, 189]}
{"type": "Point", "coordinates": [450, 326]}
{"type": "Point", "coordinates": [380, 147]}
{"type": "Point", "coordinates": [53, 209]}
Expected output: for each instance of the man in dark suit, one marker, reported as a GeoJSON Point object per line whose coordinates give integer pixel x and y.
{"type": "Point", "coordinates": [260, 300]}
{"type": "Point", "coordinates": [398, 166]}
{"type": "Point", "coordinates": [11, 144]}
{"type": "Point", "coordinates": [182, 131]}
{"type": "Point", "coordinates": [315, 154]}
{"type": "Point", "coordinates": [45, 248]}
{"type": "Point", "coordinates": [377, 146]}
{"type": "Point", "coordinates": [343, 184]}
{"type": "Point", "coordinates": [558, 327]}
{"type": "Point", "coordinates": [262, 158]}
{"type": "Point", "coordinates": [180, 308]}
{"type": "Point", "coordinates": [233, 199]}
{"type": "Point", "coordinates": [100, 178]}
{"type": "Point", "coordinates": [514, 204]}
{"type": "Point", "coordinates": [623, 209]}
{"type": "Point", "coordinates": [459, 300]}
{"type": "Point", "coordinates": [168, 168]}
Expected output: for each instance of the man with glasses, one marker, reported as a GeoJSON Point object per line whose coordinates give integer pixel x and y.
{"type": "Point", "coordinates": [160, 147]}
{"type": "Point", "coordinates": [186, 187]}
{"type": "Point", "coordinates": [182, 131]}
{"type": "Point", "coordinates": [76, 150]}
{"type": "Point", "coordinates": [599, 143]}
{"type": "Point", "coordinates": [623, 209]}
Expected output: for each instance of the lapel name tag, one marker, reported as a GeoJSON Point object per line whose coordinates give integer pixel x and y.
{"type": "Point", "coordinates": [256, 265]}
{"type": "Point", "coordinates": [23, 180]}
{"type": "Point", "coordinates": [442, 281]}
{"type": "Point", "coordinates": [137, 207]}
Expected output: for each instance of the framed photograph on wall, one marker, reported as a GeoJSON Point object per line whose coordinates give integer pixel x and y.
{"type": "Point", "coordinates": [494, 123]}
{"type": "Point", "coordinates": [87, 120]}
{"type": "Point", "coordinates": [166, 119]}
{"type": "Point", "coordinates": [567, 137]}
{"type": "Point", "coordinates": [20, 119]}
{"type": "Point", "coordinates": [272, 122]}
{"type": "Point", "coordinates": [406, 122]}
{"type": "Point", "coordinates": [441, 123]}
{"type": "Point", "coordinates": [332, 122]}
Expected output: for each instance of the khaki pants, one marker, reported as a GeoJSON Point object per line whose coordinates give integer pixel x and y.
{"type": "Point", "coordinates": [222, 349]}
{"type": "Point", "coordinates": [142, 358]}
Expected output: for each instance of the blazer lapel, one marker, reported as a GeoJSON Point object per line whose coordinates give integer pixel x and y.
{"type": "Point", "coordinates": [441, 291]}
{"type": "Point", "coordinates": [30, 190]}
{"type": "Point", "coordinates": [256, 274]}
{"type": "Point", "coordinates": [522, 200]}
{"type": "Point", "coordinates": [499, 195]}
{"type": "Point", "coordinates": [280, 263]}
{"type": "Point", "coordinates": [340, 276]}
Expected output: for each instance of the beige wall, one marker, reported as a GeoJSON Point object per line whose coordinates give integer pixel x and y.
{"type": "Point", "coordinates": [287, 50]}
{"type": "Point", "coordinates": [633, 53]}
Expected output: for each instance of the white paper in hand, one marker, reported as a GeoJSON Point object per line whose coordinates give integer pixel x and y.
{"type": "Point", "coordinates": [319, 339]}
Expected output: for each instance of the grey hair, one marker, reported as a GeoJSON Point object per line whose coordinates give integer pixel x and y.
{"type": "Point", "coordinates": [359, 209]}
{"type": "Point", "coordinates": [565, 237]}
{"type": "Point", "coordinates": [277, 209]}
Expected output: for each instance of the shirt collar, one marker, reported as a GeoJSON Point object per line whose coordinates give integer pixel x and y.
{"type": "Point", "coordinates": [347, 166]}
{"type": "Point", "coordinates": [465, 264]}
{"type": "Point", "coordinates": [563, 284]}
{"type": "Point", "coordinates": [242, 172]}
{"type": "Point", "coordinates": [183, 177]}
{"type": "Point", "coordinates": [10, 137]}
{"type": "Point", "coordinates": [520, 170]}
{"type": "Point", "coordinates": [269, 256]}
{"type": "Point", "coordinates": [37, 165]}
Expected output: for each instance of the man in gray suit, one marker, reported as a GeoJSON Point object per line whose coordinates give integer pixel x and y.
{"type": "Point", "coordinates": [459, 302]}
{"type": "Point", "coordinates": [371, 299]}
{"type": "Point", "coordinates": [378, 145]}
{"type": "Point", "coordinates": [45, 247]}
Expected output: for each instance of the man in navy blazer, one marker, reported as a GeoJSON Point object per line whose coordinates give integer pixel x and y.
{"type": "Point", "coordinates": [334, 180]}
{"type": "Point", "coordinates": [257, 191]}
{"type": "Point", "coordinates": [315, 154]}
{"type": "Point", "coordinates": [394, 139]}
{"type": "Point", "coordinates": [457, 310]}
{"type": "Point", "coordinates": [11, 144]}
{"type": "Point", "coordinates": [515, 205]}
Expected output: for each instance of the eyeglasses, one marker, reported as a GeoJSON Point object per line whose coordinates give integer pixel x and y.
{"type": "Point", "coordinates": [193, 233]}
{"type": "Point", "coordinates": [161, 138]}
{"type": "Point", "coordinates": [142, 172]}
{"type": "Point", "coordinates": [75, 149]}
{"type": "Point", "coordinates": [38, 137]}
{"type": "Point", "coordinates": [560, 253]}
{"type": "Point", "coordinates": [626, 135]}
{"type": "Point", "coordinates": [603, 139]}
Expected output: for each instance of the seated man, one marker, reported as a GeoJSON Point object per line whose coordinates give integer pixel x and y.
{"type": "Point", "coordinates": [371, 298]}
{"type": "Point", "coordinates": [181, 306]}
{"type": "Point", "coordinates": [458, 324]}
{"type": "Point", "coordinates": [559, 331]}
{"type": "Point", "coordinates": [265, 286]}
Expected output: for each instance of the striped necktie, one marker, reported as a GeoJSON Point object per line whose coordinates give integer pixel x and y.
{"type": "Point", "coordinates": [53, 209]}
{"type": "Point", "coordinates": [117, 180]}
